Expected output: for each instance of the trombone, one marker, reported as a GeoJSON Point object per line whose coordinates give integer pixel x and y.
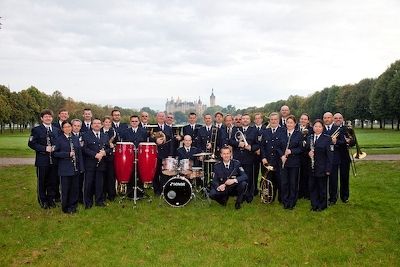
{"type": "Point", "coordinates": [213, 141]}
{"type": "Point", "coordinates": [359, 154]}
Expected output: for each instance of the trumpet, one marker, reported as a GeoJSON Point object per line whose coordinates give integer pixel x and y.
{"type": "Point", "coordinates": [266, 186]}
{"type": "Point", "coordinates": [240, 137]}
{"type": "Point", "coordinates": [336, 133]}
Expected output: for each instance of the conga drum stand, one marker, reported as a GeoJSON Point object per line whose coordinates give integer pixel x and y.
{"type": "Point", "coordinates": [135, 187]}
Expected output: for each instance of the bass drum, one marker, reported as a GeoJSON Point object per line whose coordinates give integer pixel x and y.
{"type": "Point", "coordinates": [177, 191]}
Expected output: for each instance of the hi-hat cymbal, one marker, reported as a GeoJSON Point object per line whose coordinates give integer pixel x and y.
{"type": "Point", "coordinates": [202, 154]}
{"type": "Point", "coordinates": [211, 160]}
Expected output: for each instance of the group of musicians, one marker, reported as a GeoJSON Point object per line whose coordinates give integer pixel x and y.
{"type": "Point", "coordinates": [74, 158]}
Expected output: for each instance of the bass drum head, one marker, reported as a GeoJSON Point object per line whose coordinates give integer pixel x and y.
{"type": "Point", "coordinates": [177, 191]}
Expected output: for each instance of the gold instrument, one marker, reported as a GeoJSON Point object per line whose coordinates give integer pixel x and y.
{"type": "Point", "coordinates": [336, 133]}
{"type": "Point", "coordinates": [359, 154]}
{"type": "Point", "coordinates": [156, 135]}
{"type": "Point", "coordinates": [240, 137]}
{"type": "Point", "coordinates": [213, 141]}
{"type": "Point", "coordinates": [73, 159]}
{"type": "Point", "coordinates": [266, 186]}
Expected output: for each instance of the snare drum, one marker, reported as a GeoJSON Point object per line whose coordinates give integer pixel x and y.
{"type": "Point", "coordinates": [170, 166]}
{"type": "Point", "coordinates": [197, 173]}
{"type": "Point", "coordinates": [185, 166]}
{"type": "Point", "coordinates": [177, 191]}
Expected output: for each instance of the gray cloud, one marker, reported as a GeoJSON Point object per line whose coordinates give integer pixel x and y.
{"type": "Point", "coordinates": [251, 52]}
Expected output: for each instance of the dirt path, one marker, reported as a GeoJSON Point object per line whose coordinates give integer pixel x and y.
{"type": "Point", "coordinates": [31, 161]}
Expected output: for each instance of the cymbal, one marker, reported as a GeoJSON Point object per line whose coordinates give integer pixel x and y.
{"type": "Point", "coordinates": [202, 154]}
{"type": "Point", "coordinates": [211, 160]}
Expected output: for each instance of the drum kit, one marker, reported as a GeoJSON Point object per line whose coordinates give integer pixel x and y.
{"type": "Point", "coordinates": [142, 162]}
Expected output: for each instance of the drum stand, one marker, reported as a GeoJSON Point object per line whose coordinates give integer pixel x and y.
{"type": "Point", "coordinates": [136, 188]}
{"type": "Point", "coordinates": [203, 191]}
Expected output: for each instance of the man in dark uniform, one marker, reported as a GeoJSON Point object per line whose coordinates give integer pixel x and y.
{"type": "Point", "coordinates": [63, 115]}
{"type": "Point", "coordinates": [260, 128]}
{"type": "Point", "coordinates": [206, 137]}
{"type": "Point", "coordinates": [187, 150]}
{"type": "Point", "coordinates": [76, 131]}
{"type": "Point", "coordinates": [95, 149]}
{"type": "Point", "coordinates": [176, 138]}
{"type": "Point", "coordinates": [42, 140]}
{"type": "Point", "coordinates": [269, 153]}
{"type": "Point", "coordinates": [284, 113]}
{"type": "Point", "coordinates": [244, 151]}
{"type": "Point", "coordinates": [192, 128]}
{"type": "Point", "coordinates": [136, 135]}
{"type": "Point", "coordinates": [345, 159]}
{"type": "Point", "coordinates": [165, 148]}
{"type": "Point", "coordinates": [117, 124]}
{"type": "Point", "coordinates": [87, 120]}
{"type": "Point", "coordinates": [229, 179]}
{"type": "Point", "coordinates": [329, 129]}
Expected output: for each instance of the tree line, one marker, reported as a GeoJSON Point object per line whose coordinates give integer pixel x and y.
{"type": "Point", "coordinates": [369, 99]}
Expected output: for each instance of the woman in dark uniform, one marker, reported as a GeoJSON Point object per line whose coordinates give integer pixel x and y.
{"type": "Point", "coordinates": [70, 165]}
{"type": "Point", "coordinates": [321, 153]}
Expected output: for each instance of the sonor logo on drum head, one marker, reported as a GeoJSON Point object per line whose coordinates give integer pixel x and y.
{"type": "Point", "coordinates": [178, 183]}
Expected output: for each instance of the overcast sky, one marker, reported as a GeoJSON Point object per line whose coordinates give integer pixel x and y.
{"type": "Point", "coordinates": [139, 53]}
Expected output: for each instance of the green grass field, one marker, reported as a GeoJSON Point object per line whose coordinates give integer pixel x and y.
{"type": "Point", "coordinates": [363, 232]}
{"type": "Point", "coordinates": [374, 141]}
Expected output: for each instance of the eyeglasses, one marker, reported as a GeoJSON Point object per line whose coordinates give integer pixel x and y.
{"type": "Point", "coordinates": [144, 116]}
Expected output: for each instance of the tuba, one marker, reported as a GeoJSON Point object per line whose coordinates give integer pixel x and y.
{"type": "Point", "coordinates": [266, 186]}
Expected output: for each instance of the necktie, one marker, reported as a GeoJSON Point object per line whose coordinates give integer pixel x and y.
{"type": "Point", "coordinates": [289, 134]}
{"type": "Point", "coordinates": [315, 138]}
{"type": "Point", "coordinates": [98, 136]}
{"type": "Point", "coordinates": [134, 131]}
{"type": "Point", "coordinates": [187, 150]}
{"type": "Point", "coordinates": [192, 128]}
{"type": "Point", "coordinates": [227, 166]}
{"type": "Point", "coordinates": [273, 131]}
{"type": "Point", "coordinates": [87, 125]}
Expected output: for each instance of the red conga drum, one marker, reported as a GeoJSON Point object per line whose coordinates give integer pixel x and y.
{"type": "Point", "coordinates": [147, 161]}
{"type": "Point", "coordinates": [124, 157]}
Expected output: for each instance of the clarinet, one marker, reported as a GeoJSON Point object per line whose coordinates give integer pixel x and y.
{"type": "Point", "coordinates": [312, 148]}
{"type": "Point", "coordinates": [48, 143]}
{"type": "Point", "coordinates": [287, 147]}
{"type": "Point", "coordinates": [74, 156]}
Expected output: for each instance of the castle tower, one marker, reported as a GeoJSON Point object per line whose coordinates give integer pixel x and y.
{"type": "Point", "coordinates": [212, 98]}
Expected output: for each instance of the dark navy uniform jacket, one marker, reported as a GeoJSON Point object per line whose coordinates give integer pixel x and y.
{"type": "Point", "coordinates": [243, 155]}
{"type": "Point", "coordinates": [38, 142]}
{"type": "Point", "coordinates": [84, 128]}
{"type": "Point", "coordinates": [112, 137]}
{"type": "Point", "coordinates": [129, 136]}
{"type": "Point", "coordinates": [339, 141]}
{"type": "Point", "coordinates": [183, 154]}
{"type": "Point", "coordinates": [56, 124]}
{"type": "Point", "coordinates": [295, 145]}
{"type": "Point", "coordinates": [187, 130]}
{"type": "Point", "coordinates": [221, 173]}
{"type": "Point", "coordinates": [205, 136]}
{"type": "Point", "coordinates": [323, 154]}
{"type": "Point", "coordinates": [269, 146]}
{"type": "Point", "coordinates": [62, 151]}
{"type": "Point", "coordinates": [119, 130]}
{"type": "Point", "coordinates": [91, 146]}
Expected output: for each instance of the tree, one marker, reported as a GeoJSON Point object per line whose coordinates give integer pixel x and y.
{"type": "Point", "coordinates": [394, 96]}
{"type": "Point", "coordinates": [5, 112]}
{"type": "Point", "coordinates": [358, 101]}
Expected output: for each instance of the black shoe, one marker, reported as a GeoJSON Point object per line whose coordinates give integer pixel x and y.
{"type": "Point", "coordinates": [45, 206]}
{"type": "Point", "coordinates": [313, 209]}
{"type": "Point", "coordinates": [237, 205]}
{"type": "Point", "coordinates": [345, 201]}
{"type": "Point", "coordinates": [52, 204]}
{"type": "Point", "coordinates": [331, 203]}
{"type": "Point", "coordinates": [100, 204]}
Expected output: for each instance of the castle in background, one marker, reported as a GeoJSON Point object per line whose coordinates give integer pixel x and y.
{"type": "Point", "coordinates": [185, 106]}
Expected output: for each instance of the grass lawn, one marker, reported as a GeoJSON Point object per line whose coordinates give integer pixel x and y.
{"type": "Point", "coordinates": [374, 141]}
{"type": "Point", "coordinates": [363, 232]}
